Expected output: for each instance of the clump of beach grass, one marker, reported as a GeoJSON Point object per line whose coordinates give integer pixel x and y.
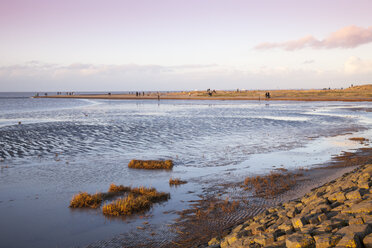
{"type": "Point", "coordinates": [127, 206]}
{"type": "Point", "coordinates": [360, 139]}
{"type": "Point", "coordinates": [151, 164]}
{"type": "Point", "coordinates": [151, 194]}
{"type": "Point", "coordinates": [117, 189]}
{"type": "Point", "coordinates": [176, 181]}
{"type": "Point", "coordinates": [271, 185]}
{"type": "Point", "coordinates": [139, 200]}
{"type": "Point", "coordinates": [85, 200]}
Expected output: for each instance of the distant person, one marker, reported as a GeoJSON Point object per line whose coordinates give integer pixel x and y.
{"type": "Point", "coordinates": [109, 93]}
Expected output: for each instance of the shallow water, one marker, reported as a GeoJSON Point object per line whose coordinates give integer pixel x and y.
{"type": "Point", "coordinates": [68, 145]}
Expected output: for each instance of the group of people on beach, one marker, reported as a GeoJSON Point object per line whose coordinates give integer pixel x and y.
{"type": "Point", "coordinates": [139, 93]}
{"type": "Point", "coordinates": [267, 95]}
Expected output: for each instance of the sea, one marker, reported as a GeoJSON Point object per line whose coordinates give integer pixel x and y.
{"type": "Point", "coordinates": [51, 149]}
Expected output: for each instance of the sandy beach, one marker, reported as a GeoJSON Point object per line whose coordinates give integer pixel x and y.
{"type": "Point", "coordinates": [353, 94]}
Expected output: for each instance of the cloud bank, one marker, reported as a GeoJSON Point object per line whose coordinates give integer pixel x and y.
{"type": "Point", "coordinates": [347, 37]}
{"type": "Point", "coordinates": [36, 76]}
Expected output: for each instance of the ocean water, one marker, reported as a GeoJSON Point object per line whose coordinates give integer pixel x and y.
{"type": "Point", "coordinates": [64, 146]}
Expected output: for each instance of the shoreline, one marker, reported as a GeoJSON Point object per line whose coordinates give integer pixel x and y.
{"type": "Point", "coordinates": [197, 226]}
{"type": "Point", "coordinates": [206, 98]}
{"type": "Point", "coordinates": [313, 178]}
{"type": "Point", "coordinates": [337, 213]}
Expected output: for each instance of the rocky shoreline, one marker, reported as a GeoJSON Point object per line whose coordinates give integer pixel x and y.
{"type": "Point", "coordinates": [337, 214]}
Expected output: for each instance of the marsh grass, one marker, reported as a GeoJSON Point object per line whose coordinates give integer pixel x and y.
{"type": "Point", "coordinates": [271, 185]}
{"type": "Point", "coordinates": [127, 206]}
{"type": "Point", "coordinates": [116, 189]}
{"type": "Point", "coordinates": [360, 139]}
{"type": "Point", "coordinates": [151, 164]}
{"type": "Point", "coordinates": [85, 200]}
{"type": "Point", "coordinates": [139, 200]}
{"type": "Point", "coordinates": [176, 181]}
{"type": "Point", "coordinates": [151, 194]}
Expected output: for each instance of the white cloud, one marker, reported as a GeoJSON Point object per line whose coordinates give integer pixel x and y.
{"type": "Point", "coordinates": [355, 65]}
{"type": "Point", "coordinates": [346, 37]}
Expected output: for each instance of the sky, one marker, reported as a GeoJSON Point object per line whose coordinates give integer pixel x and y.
{"type": "Point", "coordinates": [121, 45]}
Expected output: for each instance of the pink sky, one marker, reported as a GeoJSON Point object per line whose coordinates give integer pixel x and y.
{"type": "Point", "coordinates": [171, 33]}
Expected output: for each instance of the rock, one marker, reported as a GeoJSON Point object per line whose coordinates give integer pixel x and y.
{"type": "Point", "coordinates": [298, 222]}
{"type": "Point", "coordinates": [338, 196]}
{"type": "Point", "coordinates": [326, 240]}
{"type": "Point", "coordinates": [292, 212]}
{"type": "Point", "coordinates": [244, 233]}
{"type": "Point", "coordinates": [314, 220]}
{"type": "Point", "coordinates": [362, 207]}
{"type": "Point", "coordinates": [264, 239]}
{"type": "Point", "coordinates": [322, 208]}
{"type": "Point", "coordinates": [322, 217]}
{"type": "Point", "coordinates": [214, 241]}
{"type": "Point", "coordinates": [359, 231]}
{"type": "Point", "coordinates": [354, 195]}
{"type": "Point", "coordinates": [286, 227]}
{"type": "Point", "coordinates": [356, 221]}
{"type": "Point", "coordinates": [231, 238]}
{"type": "Point", "coordinates": [349, 240]}
{"type": "Point", "coordinates": [338, 214]}
{"type": "Point", "coordinates": [237, 229]}
{"type": "Point", "coordinates": [367, 241]}
{"type": "Point", "coordinates": [367, 219]}
{"type": "Point", "coordinates": [364, 185]}
{"type": "Point", "coordinates": [311, 198]}
{"type": "Point", "coordinates": [299, 241]}
{"type": "Point", "coordinates": [277, 244]}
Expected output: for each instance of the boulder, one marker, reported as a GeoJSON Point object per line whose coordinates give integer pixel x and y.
{"type": "Point", "coordinates": [359, 231]}
{"type": "Point", "coordinates": [326, 240]}
{"type": "Point", "coordinates": [298, 222]}
{"type": "Point", "coordinates": [300, 241]}
{"type": "Point", "coordinates": [349, 240]}
{"type": "Point", "coordinates": [362, 207]}
{"type": "Point", "coordinates": [367, 241]}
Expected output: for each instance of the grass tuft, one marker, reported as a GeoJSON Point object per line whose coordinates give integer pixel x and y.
{"type": "Point", "coordinates": [176, 181]}
{"type": "Point", "coordinates": [151, 164]}
{"type": "Point", "coordinates": [139, 200]}
{"type": "Point", "coordinates": [127, 206]}
{"type": "Point", "coordinates": [117, 189]}
{"type": "Point", "coordinates": [151, 194]}
{"type": "Point", "coordinates": [85, 200]}
{"type": "Point", "coordinates": [360, 139]}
